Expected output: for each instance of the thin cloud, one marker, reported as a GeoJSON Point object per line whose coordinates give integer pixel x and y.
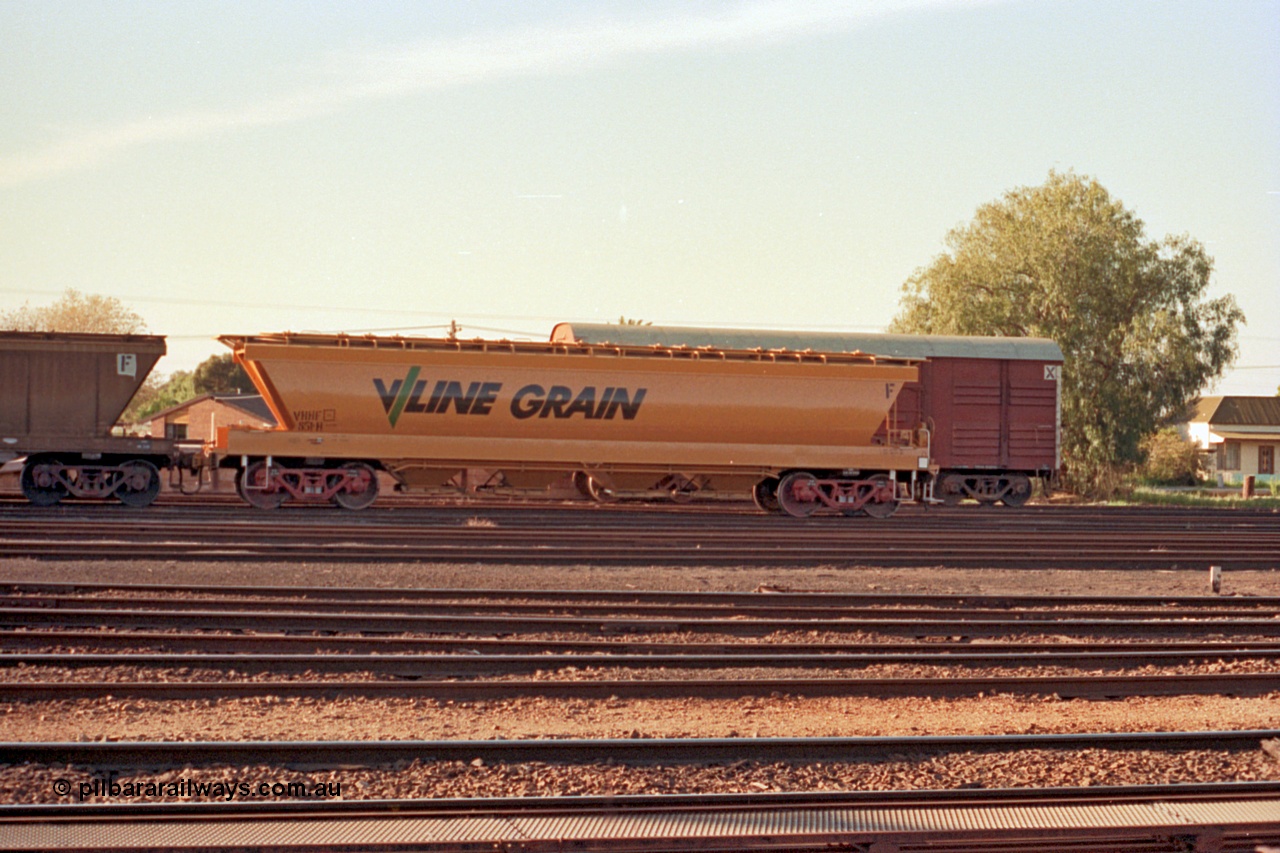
{"type": "Point", "coordinates": [433, 65]}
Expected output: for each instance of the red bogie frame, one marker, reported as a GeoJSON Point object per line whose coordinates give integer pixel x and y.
{"type": "Point", "coordinates": [268, 483]}
{"type": "Point", "coordinates": [48, 478]}
{"type": "Point", "coordinates": [800, 494]}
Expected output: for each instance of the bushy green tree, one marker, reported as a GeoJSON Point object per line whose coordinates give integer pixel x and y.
{"type": "Point", "coordinates": [1066, 261]}
{"type": "Point", "coordinates": [219, 374]}
{"type": "Point", "coordinates": [158, 394]}
{"type": "Point", "coordinates": [76, 312]}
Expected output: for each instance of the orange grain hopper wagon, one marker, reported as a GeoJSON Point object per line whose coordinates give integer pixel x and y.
{"type": "Point", "coordinates": [798, 428]}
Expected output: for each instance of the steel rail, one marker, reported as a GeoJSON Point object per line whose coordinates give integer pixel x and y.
{"type": "Point", "coordinates": [571, 535]}
{"type": "Point", "coordinates": [163, 754]}
{"type": "Point", "coordinates": [267, 528]}
{"type": "Point", "coordinates": [263, 620]}
{"type": "Point", "coordinates": [513, 606]}
{"type": "Point", "coordinates": [12, 813]}
{"type": "Point", "coordinates": [536, 512]}
{"type": "Point", "coordinates": [1075, 686]}
{"type": "Point", "coordinates": [408, 595]}
{"type": "Point", "coordinates": [620, 552]}
{"type": "Point", "coordinates": [457, 665]}
{"type": "Point", "coordinates": [555, 537]}
{"type": "Point", "coordinates": [214, 642]}
{"type": "Point", "coordinates": [583, 517]}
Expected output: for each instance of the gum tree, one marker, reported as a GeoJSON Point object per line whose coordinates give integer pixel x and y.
{"type": "Point", "coordinates": [76, 312]}
{"type": "Point", "coordinates": [1066, 261]}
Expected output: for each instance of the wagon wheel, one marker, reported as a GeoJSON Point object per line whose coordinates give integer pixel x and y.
{"type": "Point", "coordinates": [881, 509]}
{"type": "Point", "coordinates": [250, 482]}
{"type": "Point", "coordinates": [765, 494]}
{"type": "Point", "coordinates": [39, 480]}
{"type": "Point", "coordinates": [797, 494]}
{"type": "Point", "coordinates": [139, 483]}
{"type": "Point", "coordinates": [363, 487]}
{"type": "Point", "coordinates": [1019, 491]}
{"type": "Point", "coordinates": [952, 489]}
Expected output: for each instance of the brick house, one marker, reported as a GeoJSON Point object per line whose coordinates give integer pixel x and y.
{"type": "Point", "coordinates": [1240, 436]}
{"type": "Point", "coordinates": [195, 419]}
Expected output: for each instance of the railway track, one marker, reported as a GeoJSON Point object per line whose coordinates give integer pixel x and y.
{"type": "Point", "coordinates": [1136, 653]}
{"type": "Point", "coordinates": [1230, 816]}
{"type": "Point", "coordinates": [357, 622]}
{"type": "Point", "coordinates": [613, 612]}
{"type": "Point", "coordinates": [619, 613]}
{"type": "Point", "coordinates": [1091, 686]}
{"type": "Point", "coordinates": [476, 644]}
{"type": "Point", "coordinates": [676, 606]}
{"type": "Point", "coordinates": [463, 665]}
{"type": "Point", "coordinates": [467, 668]}
{"type": "Point", "coordinates": [47, 594]}
{"type": "Point", "coordinates": [962, 537]}
{"type": "Point", "coordinates": [154, 755]}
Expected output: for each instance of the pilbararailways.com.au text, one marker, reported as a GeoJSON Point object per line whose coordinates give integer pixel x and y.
{"type": "Point", "coordinates": [194, 789]}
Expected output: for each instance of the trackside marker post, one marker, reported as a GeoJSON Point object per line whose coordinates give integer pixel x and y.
{"type": "Point", "coordinates": [1215, 578]}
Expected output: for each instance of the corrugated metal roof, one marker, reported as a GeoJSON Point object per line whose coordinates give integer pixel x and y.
{"type": "Point", "coordinates": [1238, 411]}
{"type": "Point", "coordinates": [899, 346]}
{"type": "Point", "coordinates": [1266, 435]}
{"type": "Point", "coordinates": [253, 404]}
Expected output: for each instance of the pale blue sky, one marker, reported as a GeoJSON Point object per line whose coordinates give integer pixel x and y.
{"type": "Point", "coordinates": [259, 166]}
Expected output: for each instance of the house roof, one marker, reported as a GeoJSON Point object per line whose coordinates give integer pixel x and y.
{"type": "Point", "coordinates": [1231, 435]}
{"type": "Point", "coordinates": [251, 404]}
{"type": "Point", "coordinates": [1237, 411]}
{"type": "Point", "coordinates": [254, 404]}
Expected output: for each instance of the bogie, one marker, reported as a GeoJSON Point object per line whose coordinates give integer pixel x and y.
{"type": "Point", "coordinates": [1012, 489]}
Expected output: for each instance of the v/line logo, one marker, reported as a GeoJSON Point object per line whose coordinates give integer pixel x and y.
{"type": "Point", "coordinates": [406, 396]}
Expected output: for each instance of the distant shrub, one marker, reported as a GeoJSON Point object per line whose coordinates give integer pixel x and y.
{"type": "Point", "coordinates": [1170, 460]}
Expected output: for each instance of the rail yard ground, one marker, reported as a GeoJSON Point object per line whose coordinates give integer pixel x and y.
{"type": "Point", "coordinates": [268, 713]}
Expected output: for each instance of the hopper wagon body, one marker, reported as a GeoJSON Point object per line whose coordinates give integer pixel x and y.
{"type": "Point", "coordinates": [60, 397]}
{"type": "Point", "coordinates": [612, 417]}
{"type": "Point", "coordinates": [991, 405]}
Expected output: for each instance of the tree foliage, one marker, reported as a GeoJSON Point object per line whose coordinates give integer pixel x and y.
{"type": "Point", "coordinates": [219, 374]}
{"type": "Point", "coordinates": [1169, 459]}
{"type": "Point", "coordinates": [1067, 261]}
{"type": "Point", "coordinates": [76, 312]}
{"type": "Point", "coordinates": [159, 393]}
